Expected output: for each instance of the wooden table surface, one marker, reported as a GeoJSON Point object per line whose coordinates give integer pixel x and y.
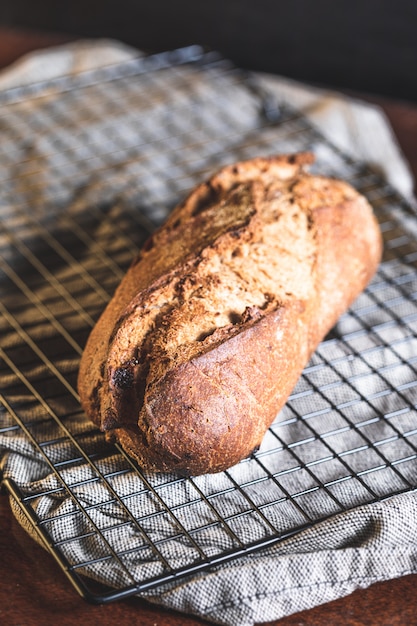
{"type": "Point", "coordinates": [34, 591]}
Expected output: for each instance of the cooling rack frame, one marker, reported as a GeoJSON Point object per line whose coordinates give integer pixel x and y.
{"type": "Point", "coordinates": [20, 237]}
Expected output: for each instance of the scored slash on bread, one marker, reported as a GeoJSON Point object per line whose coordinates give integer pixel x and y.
{"type": "Point", "coordinates": [211, 327]}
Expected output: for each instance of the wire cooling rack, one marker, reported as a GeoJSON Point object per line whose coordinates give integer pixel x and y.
{"type": "Point", "coordinates": [89, 165]}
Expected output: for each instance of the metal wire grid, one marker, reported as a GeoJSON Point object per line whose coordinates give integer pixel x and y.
{"type": "Point", "coordinates": [87, 170]}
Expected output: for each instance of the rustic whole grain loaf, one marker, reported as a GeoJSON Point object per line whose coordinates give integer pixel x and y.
{"type": "Point", "coordinates": [216, 318]}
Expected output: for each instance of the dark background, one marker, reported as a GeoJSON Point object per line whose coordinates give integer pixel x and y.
{"type": "Point", "coordinates": [368, 45]}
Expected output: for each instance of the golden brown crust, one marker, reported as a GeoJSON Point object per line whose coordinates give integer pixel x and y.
{"type": "Point", "coordinates": [215, 320]}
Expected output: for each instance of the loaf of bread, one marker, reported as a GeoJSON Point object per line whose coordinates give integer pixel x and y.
{"type": "Point", "coordinates": [218, 315]}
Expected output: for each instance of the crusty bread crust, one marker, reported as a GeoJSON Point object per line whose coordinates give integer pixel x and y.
{"type": "Point", "coordinates": [218, 315]}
